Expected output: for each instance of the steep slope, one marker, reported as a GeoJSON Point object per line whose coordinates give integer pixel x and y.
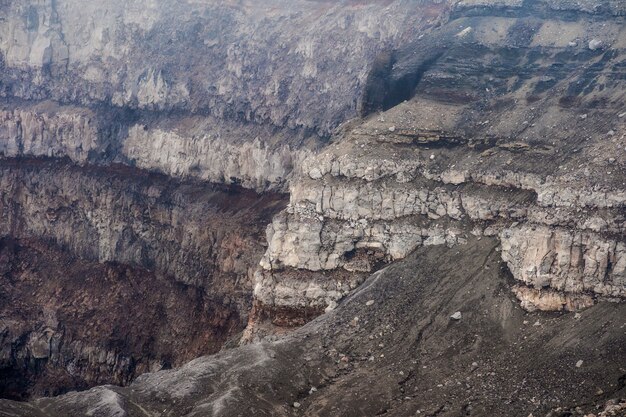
{"type": "Point", "coordinates": [392, 349]}
{"type": "Point", "coordinates": [70, 324]}
{"type": "Point", "coordinates": [169, 85]}
{"type": "Point", "coordinates": [477, 146]}
{"type": "Point", "coordinates": [108, 273]}
{"type": "Point", "coordinates": [96, 98]}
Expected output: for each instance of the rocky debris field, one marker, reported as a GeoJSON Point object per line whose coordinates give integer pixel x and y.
{"type": "Point", "coordinates": [453, 243]}
{"type": "Point", "coordinates": [393, 348]}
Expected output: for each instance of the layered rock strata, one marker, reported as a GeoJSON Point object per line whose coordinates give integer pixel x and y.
{"type": "Point", "coordinates": [391, 348]}
{"type": "Point", "coordinates": [115, 115]}
{"type": "Point", "coordinates": [230, 93]}
{"type": "Point", "coordinates": [180, 146]}
{"type": "Point", "coordinates": [85, 249]}
{"type": "Point", "coordinates": [499, 118]}
{"type": "Point", "coordinates": [529, 148]}
{"type": "Point", "coordinates": [191, 231]}
{"type": "Point", "coordinates": [259, 62]}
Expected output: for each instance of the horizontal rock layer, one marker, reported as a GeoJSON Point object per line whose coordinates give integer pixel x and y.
{"type": "Point", "coordinates": [108, 273]}
{"type": "Point", "coordinates": [267, 63]}
{"type": "Point", "coordinates": [495, 123]}
{"type": "Point", "coordinates": [190, 231]}
{"type": "Point", "coordinates": [566, 260]}
{"type": "Point", "coordinates": [183, 147]}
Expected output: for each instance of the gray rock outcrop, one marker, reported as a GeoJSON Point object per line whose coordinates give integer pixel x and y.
{"type": "Point", "coordinates": [472, 145]}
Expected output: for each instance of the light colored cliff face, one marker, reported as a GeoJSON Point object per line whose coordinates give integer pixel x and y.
{"type": "Point", "coordinates": [383, 209]}
{"type": "Point", "coordinates": [482, 147]}
{"type": "Point", "coordinates": [252, 164]}
{"type": "Point", "coordinates": [185, 148]}
{"type": "Point", "coordinates": [483, 118]}
{"type": "Point", "coordinates": [267, 61]}
{"type": "Point", "coordinates": [566, 260]}
{"type": "Point", "coordinates": [62, 133]}
{"type": "Point", "coordinates": [241, 90]}
{"type": "Point", "coordinates": [471, 154]}
{"type": "Point", "coordinates": [204, 91]}
{"type": "Point", "coordinates": [364, 196]}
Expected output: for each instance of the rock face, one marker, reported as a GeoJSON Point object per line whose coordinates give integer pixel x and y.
{"type": "Point", "coordinates": [574, 262]}
{"type": "Point", "coordinates": [250, 82]}
{"type": "Point", "coordinates": [191, 231]}
{"type": "Point", "coordinates": [98, 97]}
{"type": "Point", "coordinates": [397, 355]}
{"type": "Point", "coordinates": [149, 144]}
{"type": "Point", "coordinates": [189, 147]}
{"type": "Point", "coordinates": [131, 55]}
{"type": "Point", "coordinates": [71, 324]}
{"type": "Point", "coordinates": [472, 144]}
{"type": "Point", "coordinates": [89, 248]}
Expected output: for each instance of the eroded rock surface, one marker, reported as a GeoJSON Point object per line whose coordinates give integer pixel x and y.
{"type": "Point", "coordinates": [470, 131]}
{"type": "Point", "coordinates": [70, 324]}
{"type": "Point", "coordinates": [96, 98]}
{"type": "Point", "coordinates": [228, 92]}
{"type": "Point", "coordinates": [500, 122]}
{"type": "Point", "coordinates": [392, 348]}
{"type": "Point", "coordinates": [110, 273]}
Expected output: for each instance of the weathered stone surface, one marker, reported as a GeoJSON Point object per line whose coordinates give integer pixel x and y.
{"type": "Point", "coordinates": [360, 358]}
{"type": "Point", "coordinates": [185, 230]}
{"type": "Point", "coordinates": [252, 164]}
{"type": "Point", "coordinates": [261, 62]}
{"type": "Point", "coordinates": [181, 147]}
{"type": "Point", "coordinates": [69, 324]}
{"type": "Point", "coordinates": [533, 299]}
{"type": "Point", "coordinates": [481, 118]}
{"type": "Point", "coordinates": [473, 143]}
{"type": "Point", "coordinates": [566, 260]}
{"type": "Point", "coordinates": [108, 273]}
{"type": "Point", "coordinates": [67, 132]}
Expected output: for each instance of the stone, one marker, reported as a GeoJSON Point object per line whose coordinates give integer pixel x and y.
{"type": "Point", "coordinates": [369, 303]}
{"type": "Point", "coordinates": [595, 44]}
{"type": "Point", "coordinates": [265, 113]}
{"type": "Point", "coordinates": [331, 306]}
{"type": "Point", "coordinates": [533, 299]}
{"type": "Point", "coordinates": [457, 316]}
{"type": "Point", "coordinates": [315, 173]}
{"type": "Point", "coordinates": [579, 363]}
{"type": "Point", "coordinates": [464, 32]}
{"type": "Point", "coordinates": [566, 260]}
